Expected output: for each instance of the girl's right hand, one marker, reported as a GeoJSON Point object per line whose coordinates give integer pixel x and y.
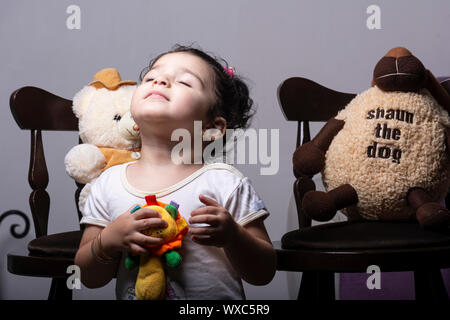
{"type": "Point", "coordinates": [124, 233]}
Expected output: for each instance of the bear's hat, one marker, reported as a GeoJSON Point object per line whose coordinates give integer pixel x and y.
{"type": "Point", "coordinates": [110, 79]}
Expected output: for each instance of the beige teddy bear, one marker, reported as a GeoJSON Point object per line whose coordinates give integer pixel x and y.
{"type": "Point", "coordinates": [107, 130]}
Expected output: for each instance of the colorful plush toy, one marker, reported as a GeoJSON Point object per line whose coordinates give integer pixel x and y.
{"type": "Point", "coordinates": [107, 130]}
{"type": "Point", "coordinates": [151, 279]}
{"type": "Point", "coordinates": [386, 155]}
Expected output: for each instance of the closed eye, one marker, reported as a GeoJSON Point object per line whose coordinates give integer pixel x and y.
{"type": "Point", "coordinates": [185, 83]}
{"type": "Point", "coordinates": [149, 79]}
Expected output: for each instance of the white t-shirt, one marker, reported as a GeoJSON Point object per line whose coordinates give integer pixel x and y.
{"type": "Point", "coordinates": [205, 272]}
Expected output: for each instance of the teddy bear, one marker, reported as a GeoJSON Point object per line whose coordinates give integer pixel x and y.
{"type": "Point", "coordinates": [108, 132]}
{"type": "Point", "coordinates": [386, 155]}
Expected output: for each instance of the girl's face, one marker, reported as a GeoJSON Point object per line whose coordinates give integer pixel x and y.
{"type": "Point", "coordinates": [177, 90]}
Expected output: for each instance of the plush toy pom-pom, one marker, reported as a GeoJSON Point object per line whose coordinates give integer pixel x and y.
{"type": "Point", "coordinates": [131, 262]}
{"type": "Point", "coordinates": [173, 259]}
{"type": "Point", "coordinates": [171, 210]}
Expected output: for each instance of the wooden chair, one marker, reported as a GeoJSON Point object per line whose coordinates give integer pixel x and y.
{"type": "Point", "coordinates": [320, 251]}
{"type": "Point", "coordinates": [49, 255]}
{"type": "Point", "coordinates": [23, 216]}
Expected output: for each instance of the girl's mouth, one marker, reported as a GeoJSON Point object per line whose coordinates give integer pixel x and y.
{"type": "Point", "coordinates": [154, 95]}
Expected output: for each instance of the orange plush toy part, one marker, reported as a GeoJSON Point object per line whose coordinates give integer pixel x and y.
{"type": "Point", "coordinates": [172, 240]}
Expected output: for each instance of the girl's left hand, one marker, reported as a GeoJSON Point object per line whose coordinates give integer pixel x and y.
{"type": "Point", "coordinates": [222, 228]}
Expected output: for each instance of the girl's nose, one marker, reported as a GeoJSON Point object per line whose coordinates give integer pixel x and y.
{"type": "Point", "coordinates": [162, 81]}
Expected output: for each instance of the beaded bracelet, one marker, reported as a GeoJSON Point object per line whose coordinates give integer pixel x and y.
{"type": "Point", "coordinates": [98, 258]}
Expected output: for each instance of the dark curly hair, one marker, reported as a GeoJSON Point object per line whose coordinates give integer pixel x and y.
{"type": "Point", "coordinates": [233, 102]}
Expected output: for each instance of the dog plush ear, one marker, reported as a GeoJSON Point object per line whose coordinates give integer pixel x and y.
{"type": "Point", "coordinates": [437, 91]}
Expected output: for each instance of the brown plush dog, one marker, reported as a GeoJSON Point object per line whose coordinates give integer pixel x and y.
{"type": "Point", "coordinates": [386, 155]}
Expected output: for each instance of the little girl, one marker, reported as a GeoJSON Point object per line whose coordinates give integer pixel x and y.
{"type": "Point", "coordinates": [227, 240]}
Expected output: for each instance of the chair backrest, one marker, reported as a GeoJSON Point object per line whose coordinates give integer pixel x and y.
{"type": "Point", "coordinates": [445, 83]}
{"type": "Point", "coordinates": [305, 101]}
{"type": "Point", "coordinates": [36, 110]}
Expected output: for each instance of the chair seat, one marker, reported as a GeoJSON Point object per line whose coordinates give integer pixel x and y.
{"type": "Point", "coordinates": [38, 266]}
{"type": "Point", "coordinates": [60, 244]}
{"type": "Point", "coordinates": [364, 235]}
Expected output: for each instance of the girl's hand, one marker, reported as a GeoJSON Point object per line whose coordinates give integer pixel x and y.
{"type": "Point", "coordinates": [222, 228]}
{"type": "Point", "coordinates": [124, 233]}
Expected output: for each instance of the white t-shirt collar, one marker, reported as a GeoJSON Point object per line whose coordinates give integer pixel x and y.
{"type": "Point", "coordinates": [160, 193]}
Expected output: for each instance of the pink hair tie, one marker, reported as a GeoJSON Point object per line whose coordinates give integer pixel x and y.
{"type": "Point", "coordinates": [230, 71]}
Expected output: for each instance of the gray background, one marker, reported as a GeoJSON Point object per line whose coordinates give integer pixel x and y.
{"type": "Point", "coordinates": [266, 41]}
